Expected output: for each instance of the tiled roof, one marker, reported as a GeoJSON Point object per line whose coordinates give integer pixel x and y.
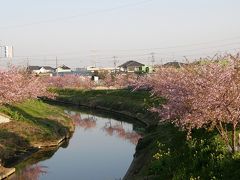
{"type": "Point", "coordinates": [131, 64]}
{"type": "Point", "coordinates": [31, 68]}
{"type": "Point", "coordinates": [64, 67]}
{"type": "Point", "coordinates": [48, 68]}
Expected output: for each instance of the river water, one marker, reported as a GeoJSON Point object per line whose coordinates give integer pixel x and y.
{"type": "Point", "coordinates": [101, 148]}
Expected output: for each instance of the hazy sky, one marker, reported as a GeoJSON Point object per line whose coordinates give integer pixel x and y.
{"type": "Point", "coordinates": [83, 33]}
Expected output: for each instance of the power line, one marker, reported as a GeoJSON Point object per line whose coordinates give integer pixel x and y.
{"type": "Point", "coordinates": [167, 59]}
{"type": "Point", "coordinates": [77, 15]}
{"type": "Point", "coordinates": [69, 55]}
{"type": "Point", "coordinates": [143, 56]}
{"type": "Point", "coordinates": [173, 47]}
{"type": "Point", "coordinates": [98, 52]}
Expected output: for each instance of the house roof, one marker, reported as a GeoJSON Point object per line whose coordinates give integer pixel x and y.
{"type": "Point", "coordinates": [131, 64]}
{"type": "Point", "coordinates": [48, 68]}
{"type": "Point", "coordinates": [64, 67]}
{"type": "Point", "coordinates": [174, 64]}
{"type": "Point", "coordinates": [32, 68]}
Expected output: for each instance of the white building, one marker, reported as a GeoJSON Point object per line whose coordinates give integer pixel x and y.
{"type": "Point", "coordinates": [40, 69]}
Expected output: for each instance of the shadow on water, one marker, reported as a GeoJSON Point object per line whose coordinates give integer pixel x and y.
{"type": "Point", "coordinates": [30, 169]}
{"type": "Point", "coordinates": [15, 147]}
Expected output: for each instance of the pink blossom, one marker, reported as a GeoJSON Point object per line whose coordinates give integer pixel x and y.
{"type": "Point", "coordinates": [205, 95]}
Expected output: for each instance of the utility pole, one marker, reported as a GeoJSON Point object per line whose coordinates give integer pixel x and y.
{"type": "Point", "coordinates": [161, 62]}
{"type": "Point", "coordinates": [94, 53]}
{"type": "Point", "coordinates": [57, 65]}
{"type": "Point", "coordinates": [153, 58]}
{"type": "Point", "coordinates": [115, 63]}
{"type": "Point", "coordinates": [27, 62]}
{"type": "Point", "coordinates": [1, 50]}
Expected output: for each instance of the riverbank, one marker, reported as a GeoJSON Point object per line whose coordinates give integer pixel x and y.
{"type": "Point", "coordinates": [34, 125]}
{"type": "Point", "coordinates": [6, 172]}
{"type": "Point", "coordinates": [126, 102]}
{"type": "Point", "coordinates": [164, 152]}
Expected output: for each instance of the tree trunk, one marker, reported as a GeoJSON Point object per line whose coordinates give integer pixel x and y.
{"type": "Point", "coordinates": [234, 138]}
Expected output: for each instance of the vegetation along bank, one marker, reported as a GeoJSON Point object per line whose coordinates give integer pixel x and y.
{"type": "Point", "coordinates": [164, 152]}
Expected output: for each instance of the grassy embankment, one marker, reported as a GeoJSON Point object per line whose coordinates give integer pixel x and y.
{"type": "Point", "coordinates": [34, 124]}
{"type": "Point", "coordinates": [135, 104]}
{"type": "Point", "coordinates": [164, 152]}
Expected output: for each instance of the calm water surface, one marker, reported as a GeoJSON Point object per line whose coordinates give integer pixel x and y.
{"type": "Point", "coordinates": [100, 149]}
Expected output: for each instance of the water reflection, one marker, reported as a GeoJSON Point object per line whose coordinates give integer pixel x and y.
{"type": "Point", "coordinates": [100, 149]}
{"type": "Point", "coordinates": [31, 173]}
{"type": "Point", "coordinates": [118, 129]}
{"type": "Point", "coordinates": [86, 123]}
{"type": "Point", "coordinates": [110, 127]}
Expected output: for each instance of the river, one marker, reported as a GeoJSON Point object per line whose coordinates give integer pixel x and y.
{"type": "Point", "coordinates": [101, 148]}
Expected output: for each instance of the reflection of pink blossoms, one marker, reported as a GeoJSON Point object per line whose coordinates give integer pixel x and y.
{"type": "Point", "coordinates": [133, 137]}
{"type": "Point", "coordinates": [32, 173]}
{"type": "Point", "coordinates": [86, 123]}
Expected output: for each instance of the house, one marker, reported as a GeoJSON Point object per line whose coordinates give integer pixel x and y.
{"type": "Point", "coordinates": [63, 69]}
{"type": "Point", "coordinates": [47, 69]}
{"type": "Point", "coordinates": [101, 69]}
{"type": "Point", "coordinates": [134, 66]}
{"type": "Point", "coordinates": [34, 69]}
{"type": "Point", "coordinates": [40, 69]}
{"type": "Point", "coordinates": [131, 66]}
{"type": "Point", "coordinates": [82, 72]}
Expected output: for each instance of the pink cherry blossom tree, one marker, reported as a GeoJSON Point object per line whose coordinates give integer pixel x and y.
{"type": "Point", "coordinates": [70, 81]}
{"type": "Point", "coordinates": [120, 80]}
{"type": "Point", "coordinates": [17, 85]}
{"type": "Point", "coordinates": [204, 95]}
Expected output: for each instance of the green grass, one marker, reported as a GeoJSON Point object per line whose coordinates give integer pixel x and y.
{"type": "Point", "coordinates": [170, 156]}
{"type": "Point", "coordinates": [34, 123]}
{"type": "Point", "coordinates": [137, 103]}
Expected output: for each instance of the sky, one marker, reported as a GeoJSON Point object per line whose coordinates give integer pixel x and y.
{"type": "Point", "coordinates": [87, 33]}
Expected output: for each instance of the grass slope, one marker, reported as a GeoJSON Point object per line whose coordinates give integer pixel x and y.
{"type": "Point", "coordinates": [135, 103]}
{"type": "Point", "coordinates": [33, 124]}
